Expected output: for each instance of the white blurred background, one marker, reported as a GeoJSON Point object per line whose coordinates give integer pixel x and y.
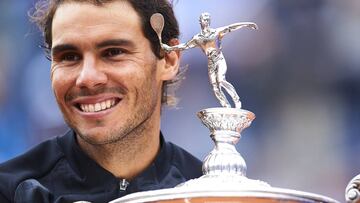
{"type": "Point", "coordinates": [299, 73]}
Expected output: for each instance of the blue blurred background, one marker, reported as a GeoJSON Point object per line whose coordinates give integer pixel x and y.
{"type": "Point", "coordinates": [300, 75]}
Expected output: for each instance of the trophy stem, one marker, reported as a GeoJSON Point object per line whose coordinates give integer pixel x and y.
{"type": "Point", "coordinates": [224, 166]}
{"type": "Point", "coordinates": [225, 125]}
{"type": "Point", "coordinates": [224, 158]}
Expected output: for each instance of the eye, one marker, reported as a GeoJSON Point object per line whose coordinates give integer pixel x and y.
{"type": "Point", "coordinates": [71, 57]}
{"type": "Point", "coordinates": [67, 57]}
{"type": "Point", "coordinates": [112, 52]}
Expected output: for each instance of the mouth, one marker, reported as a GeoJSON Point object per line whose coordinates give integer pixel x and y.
{"type": "Point", "coordinates": [98, 106]}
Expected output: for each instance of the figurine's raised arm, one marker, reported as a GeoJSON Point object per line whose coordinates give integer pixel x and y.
{"type": "Point", "coordinates": [226, 29]}
{"type": "Point", "coordinates": [180, 47]}
{"type": "Point", "coordinates": [157, 23]}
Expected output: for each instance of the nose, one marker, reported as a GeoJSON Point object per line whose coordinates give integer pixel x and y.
{"type": "Point", "coordinates": [91, 74]}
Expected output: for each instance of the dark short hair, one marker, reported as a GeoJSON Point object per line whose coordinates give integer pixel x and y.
{"type": "Point", "coordinates": [44, 12]}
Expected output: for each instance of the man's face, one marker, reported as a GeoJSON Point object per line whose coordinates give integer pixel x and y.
{"type": "Point", "coordinates": [205, 20]}
{"type": "Point", "coordinates": [105, 77]}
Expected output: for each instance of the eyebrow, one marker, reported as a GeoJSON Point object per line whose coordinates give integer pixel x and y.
{"type": "Point", "coordinates": [116, 42]}
{"type": "Point", "coordinates": [112, 42]}
{"type": "Point", "coordinates": [61, 48]}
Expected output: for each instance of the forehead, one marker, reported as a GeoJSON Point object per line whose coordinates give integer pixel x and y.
{"type": "Point", "coordinates": [84, 20]}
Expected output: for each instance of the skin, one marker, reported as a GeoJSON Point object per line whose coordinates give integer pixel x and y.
{"type": "Point", "coordinates": [101, 56]}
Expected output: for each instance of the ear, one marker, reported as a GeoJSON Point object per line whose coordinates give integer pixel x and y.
{"type": "Point", "coordinates": [172, 62]}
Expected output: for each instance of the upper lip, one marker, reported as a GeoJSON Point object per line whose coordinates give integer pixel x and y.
{"type": "Point", "coordinates": [94, 99]}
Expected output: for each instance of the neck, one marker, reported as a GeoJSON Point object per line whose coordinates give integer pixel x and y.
{"type": "Point", "coordinates": [205, 30]}
{"type": "Point", "coordinates": [130, 156]}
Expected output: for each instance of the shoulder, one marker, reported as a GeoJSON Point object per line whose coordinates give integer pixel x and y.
{"type": "Point", "coordinates": [32, 164]}
{"type": "Point", "coordinates": [197, 37]}
{"type": "Point", "coordinates": [186, 163]}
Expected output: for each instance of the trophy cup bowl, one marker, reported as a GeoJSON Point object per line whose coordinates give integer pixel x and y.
{"type": "Point", "coordinates": [273, 195]}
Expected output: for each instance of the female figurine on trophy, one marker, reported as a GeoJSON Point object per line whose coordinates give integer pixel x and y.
{"type": "Point", "coordinates": [209, 40]}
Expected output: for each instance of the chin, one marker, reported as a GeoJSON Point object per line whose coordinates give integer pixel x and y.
{"type": "Point", "coordinates": [94, 135]}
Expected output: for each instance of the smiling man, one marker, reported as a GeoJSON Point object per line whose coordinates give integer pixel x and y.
{"type": "Point", "coordinates": [109, 78]}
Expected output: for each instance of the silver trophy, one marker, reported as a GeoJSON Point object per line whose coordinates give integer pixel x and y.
{"type": "Point", "coordinates": [224, 169]}
{"type": "Point", "coordinates": [226, 123]}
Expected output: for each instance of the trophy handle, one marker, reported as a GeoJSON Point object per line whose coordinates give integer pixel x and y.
{"type": "Point", "coordinates": [352, 192]}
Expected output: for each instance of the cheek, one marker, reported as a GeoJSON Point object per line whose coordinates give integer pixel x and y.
{"type": "Point", "coordinates": [60, 82]}
{"type": "Point", "coordinates": [151, 81]}
{"type": "Point", "coordinates": [136, 73]}
{"type": "Point", "coordinates": [143, 78]}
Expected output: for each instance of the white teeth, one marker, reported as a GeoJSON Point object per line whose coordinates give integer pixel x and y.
{"type": "Point", "coordinates": [103, 105]}
{"type": "Point", "coordinates": [108, 104]}
{"type": "Point", "coordinates": [97, 106]}
{"type": "Point", "coordinates": [91, 108]}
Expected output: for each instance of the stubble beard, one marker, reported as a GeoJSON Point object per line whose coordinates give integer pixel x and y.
{"type": "Point", "coordinates": [133, 128]}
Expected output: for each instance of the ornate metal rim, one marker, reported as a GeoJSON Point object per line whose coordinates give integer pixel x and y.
{"type": "Point", "coordinates": [179, 193]}
{"type": "Point", "coordinates": [250, 114]}
{"type": "Point", "coordinates": [352, 191]}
